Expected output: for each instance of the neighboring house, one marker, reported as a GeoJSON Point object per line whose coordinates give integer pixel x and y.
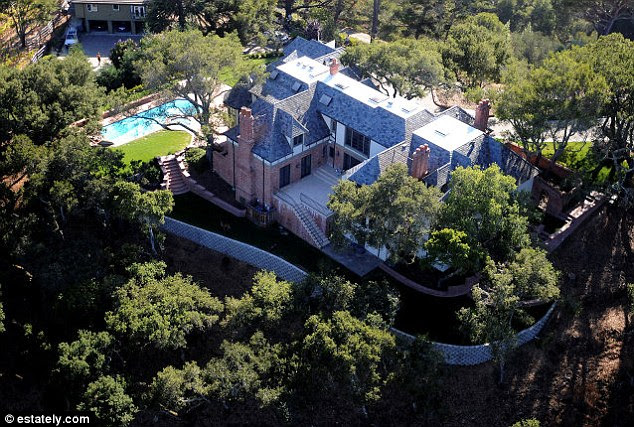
{"type": "Point", "coordinates": [312, 123]}
{"type": "Point", "coordinates": [112, 16]}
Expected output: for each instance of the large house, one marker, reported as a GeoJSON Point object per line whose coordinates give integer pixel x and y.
{"type": "Point", "coordinates": [112, 16]}
{"type": "Point", "coordinates": [314, 122]}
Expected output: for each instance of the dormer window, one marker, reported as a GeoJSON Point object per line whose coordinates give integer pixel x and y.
{"type": "Point", "coordinates": [298, 140]}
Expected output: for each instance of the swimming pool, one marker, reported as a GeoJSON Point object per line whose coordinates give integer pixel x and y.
{"type": "Point", "coordinates": [132, 128]}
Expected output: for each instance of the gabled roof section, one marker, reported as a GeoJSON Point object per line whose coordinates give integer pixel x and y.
{"type": "Point", "coordinates": [310, 48]}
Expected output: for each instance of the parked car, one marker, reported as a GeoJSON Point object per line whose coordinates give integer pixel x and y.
{"type": "Point", "coordinates": [71, 38]}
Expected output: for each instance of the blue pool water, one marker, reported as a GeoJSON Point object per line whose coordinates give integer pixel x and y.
{"type": "Point", "coordinates": [135, 127]}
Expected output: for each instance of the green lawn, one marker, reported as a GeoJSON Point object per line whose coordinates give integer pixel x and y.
{"type": "Point", "coordinates": [230, 76]}
{"type": "Point", "coordinates": [577, 156]}
{"type": "Point", "coordinates": [159, 143]}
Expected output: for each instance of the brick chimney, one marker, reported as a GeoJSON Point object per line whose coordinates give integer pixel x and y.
{"type": "Point", "coordinates": [420, 162]}
{"type": "Point", "coordinates": [247, 133]}
{"type": "Point", "coordinates": [334, 66]}
{"type": "Point", "coordinates": [243, 173]}
{"type": "Point", "coordinates": [482, 115]}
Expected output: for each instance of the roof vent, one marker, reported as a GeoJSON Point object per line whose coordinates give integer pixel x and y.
{"type": "Point", "coordinates": [296, 86]}
{"type": "Point", "coordinates": [378, 98]}
{"type": "Point", "coordinates": [274, 74]}
{"type": "Point", "coordinates": [441, 133]}
{"type": "Point", "coordinates": [341, 85]}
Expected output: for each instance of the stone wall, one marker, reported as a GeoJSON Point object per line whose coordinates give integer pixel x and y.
{"type": "Point", "coordinates": [453, 354]}
{"type": "Point", "coordinates": [468, 355]}
{"type": "Point", "coordinates": [235, 249]}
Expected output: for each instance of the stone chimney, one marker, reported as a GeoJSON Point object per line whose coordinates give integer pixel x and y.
{"type": "Point", "coordinates": [334, 66]}
{"type": "Point", "coordinates": [420, 162]}
{"type": "Point", "coordinates": [482, 115]}
{"type": "Point", "coordinates": [247, 124]}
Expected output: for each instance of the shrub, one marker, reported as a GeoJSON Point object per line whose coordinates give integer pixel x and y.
{"type": "Point", "coordinates": [196, 159]}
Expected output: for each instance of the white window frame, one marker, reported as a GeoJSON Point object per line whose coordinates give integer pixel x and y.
{"type": "Point", "coordinates": [115, 7]}
{"type": "Point", "coordinates": [92, 8]}
{"type": "Point", "coordinates": [138, 11]}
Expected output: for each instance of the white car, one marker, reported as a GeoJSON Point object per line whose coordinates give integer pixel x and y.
{"type": "Point", "coordinates": [71, 38]}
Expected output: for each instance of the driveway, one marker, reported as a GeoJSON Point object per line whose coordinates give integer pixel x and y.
{"type": "Point", "coordinates": [101, 43]}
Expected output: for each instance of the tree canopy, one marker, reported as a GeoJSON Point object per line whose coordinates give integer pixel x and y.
{"type": "Point", "coordinates": [409, 67]}
{"type": "Point", "coordinates": [395, 212]}
{"type": "Point", "coordinates": [187, 65]}
{"type": "Point", "coordinates": [42, 99]}
{"type": "Point", "coordinates": [477, 49]}
{"type": "Point", "coordinates": [552, 103]}
{"type": "Point", "coordinates": [162, 310]}
{"type": "Point", "coordinates": [482, 203]}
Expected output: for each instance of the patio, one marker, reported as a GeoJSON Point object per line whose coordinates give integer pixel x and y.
{"type": "Point", "coordinates": [314, 190]}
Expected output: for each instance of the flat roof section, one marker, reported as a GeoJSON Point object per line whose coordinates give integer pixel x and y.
{"type": "Point", "coordinates": [448, 133]}
{"type": "Point", "coordinates": [304, 69]}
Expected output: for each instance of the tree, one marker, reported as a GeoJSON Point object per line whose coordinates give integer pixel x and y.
{"type": "Point", "coordinates": [556, 101]}
{"type": "Point", "coordinates": [407, 67]}
{"type": "Point", "coordinates": [417, 373]}
{"type": "Point", "coordinates": [263, 307]}
{"type": "Point", "coordinates": [534, 276]}
{"type": "Point", "coordinates": [612, 58]}
{"type": "Point", "coordinates": [42, 99]}
{"type": "Point", "coordinates": [188, 65]}
{"type": "Point", "coordinates": [477, 49]}
{"type": "Point", "coordinates": [255, 21]}
{"type": "Point", "coordinates": [246, 372]}
{"type": "Point", "coordinates": [483, 205]}
{"type": "Point", "coordinates": [121, 71]}
{"type": "Point", "coordinates": [349, 203]}
{"type": "Point", "coordinates": [603, 14]}
{"type": "Point", "coordinates": [396, 211]}
{"type": "Point", "coordinates": [426, 17]}
{"type": "Point", "coordinates": [328, 294]}
{"type": "Point", "coordinates": [162, 310]}
{"type": "Point", "coordinates": [450, 247]}
{"type": "Point", "coordinates": [25, 13]}
{"type": "Point", "coordinates": [107, 400]}
{"type": "Point", "coordinates": [174, 389]}
{"type": "Point", "coordinates": [86, 358]}
{"type": "Point", "coordinates": [533, 46]}
{"type": "Point", "coordinates": [145, 208]}
{"type": "Point", "coordinates": [500, 296]}
{"type": "Point", "coordinates": [489, 321]}
{"type": "Point", "coordinates": [341, 363]}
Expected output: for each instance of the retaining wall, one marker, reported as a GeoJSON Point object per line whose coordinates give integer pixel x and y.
{"type": "Point", "coordinates": [453, 354]}
{"type": "Point", "coordinates": [235, 249]}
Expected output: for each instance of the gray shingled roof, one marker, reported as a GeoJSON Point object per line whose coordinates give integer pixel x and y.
{"type": "Point", "coordinates": [311, 48]}
{"type": "Point", "coordinates": [483, 151]}
{"type": "Point", "coordinates": [290, 117]}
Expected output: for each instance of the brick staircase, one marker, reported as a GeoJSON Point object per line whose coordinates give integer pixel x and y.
{"type": "Point", "coordinates": [316, 234]}
{"type": "Point", "coordinates": [172, 177]}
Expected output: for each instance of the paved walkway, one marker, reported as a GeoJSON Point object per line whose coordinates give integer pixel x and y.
{"type": "Point", "coordinates": [453, 291]}
{"type": "Point", "coordinates": [360, 264]}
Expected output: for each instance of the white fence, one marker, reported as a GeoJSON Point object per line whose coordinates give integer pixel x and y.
{"type": "Point", "coordinates": [453, 354]}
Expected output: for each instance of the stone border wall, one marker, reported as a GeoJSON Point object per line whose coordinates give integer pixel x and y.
{"type": "Point", "coordinates": [466, 355]}
{"type": "Point", "coordinates": [469, 355]}
{"type": "Point", "coordinates": [236, 249]}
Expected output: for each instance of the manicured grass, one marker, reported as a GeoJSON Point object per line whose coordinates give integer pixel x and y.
{"type": "Point", "coordinates": [230, 76]}
{"type": "Point", "coordinates": [159, 143]}
{"type": "Point", "coordinates": [578, 157]}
